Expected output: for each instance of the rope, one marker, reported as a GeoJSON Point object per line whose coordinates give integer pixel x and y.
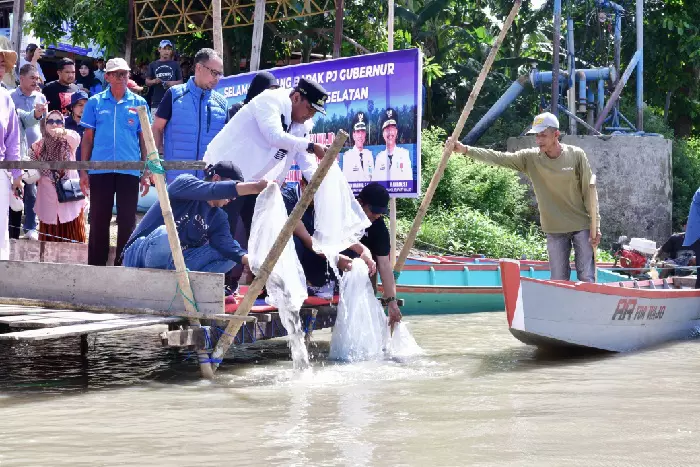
{"type": "Point", "coordinates": [153, 165]}
{"type": "Point", "coordinates": [178, 290]}
{"type": "Point", "coordinates": [45, 234]}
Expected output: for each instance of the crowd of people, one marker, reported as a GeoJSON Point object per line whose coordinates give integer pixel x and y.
{"type": "Point", "coordinates": [89, 114]}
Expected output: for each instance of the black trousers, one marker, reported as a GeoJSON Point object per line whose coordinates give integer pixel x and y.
{"type": "Point", "coordinates": [696, 249]}
{"type": "Point", "coordinates": [103, 188]}
{"type": "Point", "coordinates": [15, 224]}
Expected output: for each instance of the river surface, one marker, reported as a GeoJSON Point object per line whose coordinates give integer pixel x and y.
{"type": "Point", "coordinates": [478, 397]}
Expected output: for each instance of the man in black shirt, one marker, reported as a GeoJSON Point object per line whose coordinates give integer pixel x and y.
{"type": "Point", "coordinates": [675, 254]}
{"type": "Point", "coordinates": [162, 74]}
{"type": "Point", "coordinates": [58, 93]}
{"type": "Point", "coordinates": [374, 245]}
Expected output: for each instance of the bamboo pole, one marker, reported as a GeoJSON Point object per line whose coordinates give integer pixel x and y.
{"type": "Point", "coordinates": [447, 152]}
{"type": "Point", "coordinates": [285, 234]}
{"type": "Point", "coordinates": [173, 238]}
{"type": "Point", "coordinates": [593, 212]}
{"type": "Point", "coordinates": [98, 165]}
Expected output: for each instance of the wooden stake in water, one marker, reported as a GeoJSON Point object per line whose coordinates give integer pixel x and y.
{"type": "Point", "coordinates": [285, 234]}
{"type": "Point", "coordinates": [447, 152]}
{"type": "Point", "coordinates": [173, 238]}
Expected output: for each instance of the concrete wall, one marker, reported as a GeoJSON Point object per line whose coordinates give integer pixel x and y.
{"type": "Point", "coordinates": [634, 182]}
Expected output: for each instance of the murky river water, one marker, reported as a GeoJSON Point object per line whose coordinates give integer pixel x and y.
{"type": "Point", "coordinates": [478, 397]}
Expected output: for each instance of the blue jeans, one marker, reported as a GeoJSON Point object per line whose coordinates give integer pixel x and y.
{"type": "Point", "coordinates": [29, 202]}
{"type": "Point", "coordinates": [559, 250]}
{"type": "Point", "coordinates": [153, 252]}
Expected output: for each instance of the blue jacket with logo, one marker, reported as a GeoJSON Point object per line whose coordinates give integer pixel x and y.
{"type": "Point", "coordinates": [197, 116]}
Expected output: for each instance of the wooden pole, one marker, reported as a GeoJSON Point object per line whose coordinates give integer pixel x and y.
{"type": "Point", "coordinates": [218, 33]}
{"type": "Point", "coordinates": [447, 152]}
{"type": "Point", "coordinates": [285, 234]}
{"type": "Point", "coordinates": [593, 212]}
{"type": "Point", "coordinates": [180, 268]}
{"type": "Point", "coordinates": [392, 200]}
{"type": "Point", "coordinates": [98, 165]}
{"type": "Point", "coordinates": [17, 23]}
{"type": "Point", "coordinates": [258, 27]}
{"type": "Point", "coordinates": [129, 33]}
{"type": "Point", "coordinates": [338, 31]}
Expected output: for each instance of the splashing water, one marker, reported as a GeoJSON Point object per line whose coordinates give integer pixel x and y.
{"type": "Point", "coordinates": [361, 329]}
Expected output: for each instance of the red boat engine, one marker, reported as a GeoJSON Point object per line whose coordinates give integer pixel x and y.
{"type": "Point", "coordinates": [632, 260]}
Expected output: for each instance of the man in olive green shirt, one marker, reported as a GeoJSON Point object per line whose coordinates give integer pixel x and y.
{"type": "Point", "coordinates": [561, 179]}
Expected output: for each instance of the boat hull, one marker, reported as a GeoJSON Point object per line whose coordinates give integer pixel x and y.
{"type": "Point", "coordinates": [615, 318]}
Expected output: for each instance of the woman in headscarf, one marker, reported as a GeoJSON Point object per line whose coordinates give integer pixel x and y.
{"type": "Point", "coordinates": [87, 80]}
{"type": "Point", "coordinates": [59, 222]}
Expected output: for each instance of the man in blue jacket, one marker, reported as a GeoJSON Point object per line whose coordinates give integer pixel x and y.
{"type": "Point", "coordinates": [202, 225]}
{"type": "Point", "coordinates": [191, 114]}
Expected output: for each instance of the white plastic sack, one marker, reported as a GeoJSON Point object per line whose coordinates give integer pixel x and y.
{"type": "Point", "coordinates": [286, 286]}
{"type": "Point", "coordinates": [402, 345]}
{"type": "Point", "coordinates": [360, 330]}
{"type": "Point", "coordinates": [339, 218]}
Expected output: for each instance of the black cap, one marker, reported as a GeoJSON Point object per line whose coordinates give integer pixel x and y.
{"type": "Point", "coordinates": [261, 81]}
{"type": "Point", "coordinates": [390, 117]}
{"type": "Point", "coordinates": [359, 122]}
{"type": "Point", "coordinates": [314, 93]}
{"type": "Point", "coordinates": [32, 47]}
{"type": "Point", "coordinates": [224, 169]}
{"type": "Point", "coordinates": [77, 96]}
{"type": "Point", "coordinates": [376, 197]}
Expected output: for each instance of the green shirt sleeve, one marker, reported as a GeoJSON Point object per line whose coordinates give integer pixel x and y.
{"type": "Point", "coordinates": [510, 160]}
{"type": "Point", "coordinates": [585, 175]}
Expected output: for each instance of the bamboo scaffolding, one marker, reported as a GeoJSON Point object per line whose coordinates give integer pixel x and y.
{"type": "Point", "coordinates": [285, 234]}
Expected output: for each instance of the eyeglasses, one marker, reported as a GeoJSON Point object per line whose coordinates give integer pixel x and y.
{"type": "Point", "coordinates": [119, 74]}
{"type": "Point", "coordinates": [215, 73]}
{"type": "Point", "coordinates": [51, 121]}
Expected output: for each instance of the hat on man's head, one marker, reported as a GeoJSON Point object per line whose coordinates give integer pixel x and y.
{"type": "Point", "coordinates": [165, 43]}
{"type": "Point", "coordinates": [390, 117]}
{"type": "Point", "coordinates": [376, 197]}
{"type": "Point", "coordinates": [542, 122]}
{"type": "Point", "coordinates": [359, 122]}
{"type": "Point", "coordinates": [31, 48]}
{"type": "Point", "coordinates": [77, 97]}
{"type": "Point", "coordinates": [116, 64]}
{"type": "Point", "coordinates": [314, 93]}
{"type": "Point", "coordinates": [224, 169]}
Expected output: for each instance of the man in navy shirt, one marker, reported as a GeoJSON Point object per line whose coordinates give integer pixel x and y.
{"type": "Point", "coordinates": [77, 106]}
{"type": "Point", "coordinates": [207, 244]}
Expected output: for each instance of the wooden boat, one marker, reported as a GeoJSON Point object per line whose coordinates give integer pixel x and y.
{"type": "Point", "coordinates": [617, 316]}
{"type": "Point", "coordinates": [442, 285]}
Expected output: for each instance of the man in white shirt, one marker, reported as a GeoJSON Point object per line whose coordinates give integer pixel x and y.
{"type": "Point", "coordinates": [393, 163]}
{"type": "Point", "coordinates": [268, 134]}
{"type": "Point", "coordinates": [32, 55]}
{"type": "Point", "coordinates": [358, 162]}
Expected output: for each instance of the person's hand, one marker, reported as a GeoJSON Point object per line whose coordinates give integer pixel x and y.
{"type": "Point", "coordinates": [595, 241]}
{"type": "Point", "coordinates": [145, 185]}
{"type": "Point", "coordinates": [260, 185]}
{"type": "Point", "coordinates": [17, 186]}
{"type": "Point", "coordinates": [58, 132]}
{"type": "Point", "coordinates": [371, 265]}
{"type": "Point", "coordinates": [84, 183]}
{"type": "Point", "coordinates": [244, 260]}
{"type": "Point", "coordinates": [319, 150]}
{"type": "Point", "coordinates": [458, 147]}
{"type": "Point", "coordinates": [39, 109]}
{"type": "Point", "coordinates": [158, 81]}
{"type": "Point", "coordinates": [344, 263]}
{"type": "Point", "coordinates": [394, 313]}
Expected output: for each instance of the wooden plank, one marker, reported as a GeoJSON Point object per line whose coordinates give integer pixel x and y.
{"type": "Point", "coordinates": [98, 165]}
{"type": "Point", "coordinates": [109, 286]}
{"type": "Point", "coordinates": [81, 329]}
{"type": "Point", "coordinates": [60, 318]}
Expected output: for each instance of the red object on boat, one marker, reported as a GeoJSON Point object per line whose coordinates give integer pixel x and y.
{"type": "Point", "coordinates": [632, 260]}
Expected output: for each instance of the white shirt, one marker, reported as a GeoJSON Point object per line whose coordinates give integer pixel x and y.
{"type": "Point", "coordinates": [399, 168]}
{"type": "Point", "coordinates": [262, 140]}
{"type": "Point", "coordinates": [358, 165]}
